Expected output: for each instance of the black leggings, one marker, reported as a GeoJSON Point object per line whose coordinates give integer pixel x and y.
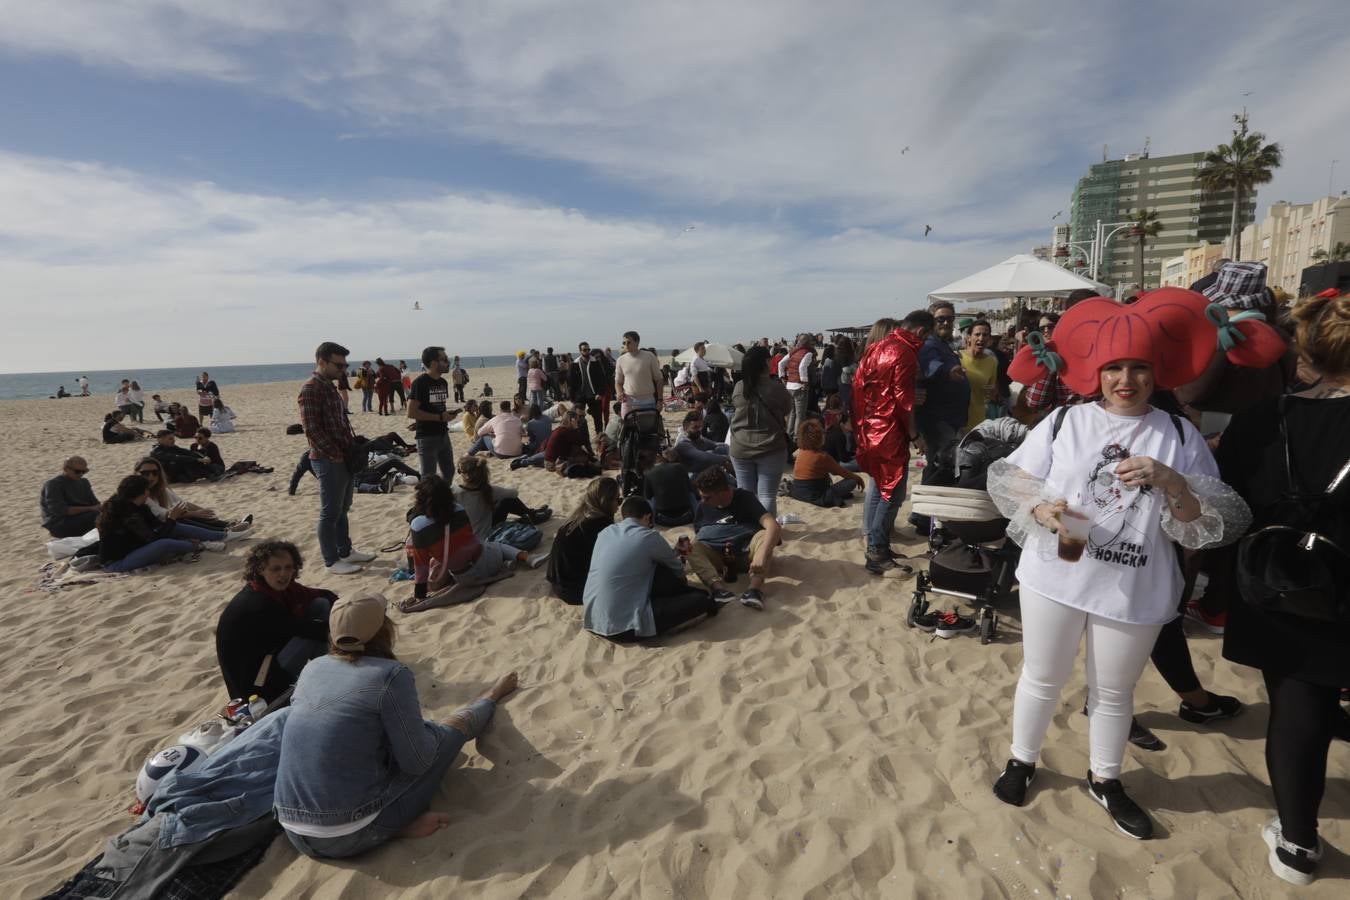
{"type": "Point", "coordinates": [376, 474]}
{"type": "Point", "coordinates": [1304, 717]}
{"type": "Point", "coordinates": [509, 506]}
{"type": "Point", "coordinates": [1171, 655]}
{"type": "Point", "coordinates": [673, 604]}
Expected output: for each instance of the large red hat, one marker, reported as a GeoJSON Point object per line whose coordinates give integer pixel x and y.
{"type": "Point", "coordinates": [1175, 330]}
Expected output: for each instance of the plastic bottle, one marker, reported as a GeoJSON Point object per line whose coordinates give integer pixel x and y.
{"type": "Point", "coordinates": [256, 707]}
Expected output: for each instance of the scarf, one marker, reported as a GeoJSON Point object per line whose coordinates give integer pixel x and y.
{"type": "Point", "coordinates": [295, 598]}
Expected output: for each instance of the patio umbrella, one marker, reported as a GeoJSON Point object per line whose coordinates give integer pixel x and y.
{"type": "Point", "coordinates": [1017, 276]}
{"type": "Point", "coordinates": [716, 355]}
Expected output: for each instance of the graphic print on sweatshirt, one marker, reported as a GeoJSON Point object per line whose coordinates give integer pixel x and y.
{"type": "Point", "coordinates": [1120, 513]}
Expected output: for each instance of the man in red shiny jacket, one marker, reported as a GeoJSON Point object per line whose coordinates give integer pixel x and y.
{"type": "Point", "coordinates": [883, 420]}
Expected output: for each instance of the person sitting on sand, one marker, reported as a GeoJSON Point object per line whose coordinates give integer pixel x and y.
{"type": "Point", "coordinates": [130, 537]}
{"type": "Point", "coordinates": [168, 506]}
{"type": "Point", "coordinates": [359, 766]}
{"type": "Point", "coordinates": [731, 521]}
{"type": "Point", "coordinates": [696, 451]}
{"type": "Point", "coordinates": [566, 444]}
{"type": "Point", "coordinates": [222, 418]}
{"type": "Point", "coordinates": [379, 476]}
{"type": "Point", "coordinates": [159, 407]}
{"type": "Point", "coordinates": [635, 587]}
{"type": "Point", "coordinates": [69, 507]}
{"type": "Point", "coordinates": [502, 435]}
{"type": "Point", "coordinates": [487, 505]}
{"type": "Point", "coordinates": [182, 465]}
{"type": "Point", "coordinates": [114, 432]}
{"type": "Point", "coordinates": [570, 558]}
{"type": "Point", "coordinates": [62, 393]}
{"type": "Point", "coordinates": [273, 626]}
{"type": "Point", "coordinates": [185, 424]}
{"type": "Point", "coordinates": [813, 467]}
{"type": "Point", "coordinates": [537, 429]}
{"type": "Point", "coordinates": [467, 423]}
{"type": "Point", "coordinates": [204, 446]}
{"type": "Point", "coordinates": [666, 485]}
{"type": "Point", "coordinates": [609, 439]}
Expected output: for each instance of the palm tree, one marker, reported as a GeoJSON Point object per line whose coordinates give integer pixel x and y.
{"type": "Point", "coordinates": [1240, 167]}
{"type": "Point", "coordinates": [1146, 225]}
{"type": "Point", "coordinates": [1339, 253]}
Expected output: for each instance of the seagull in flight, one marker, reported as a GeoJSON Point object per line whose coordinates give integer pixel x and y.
{"type": "Point", "coordinates": [904, 151]}
{"type": "Point", "coordinates": [686, 228]}
{"type": "Point", "coordinates": [1057, 215]}
{"type": "Point", "coordinates": [417, 305]}
{"type": "Point", "coordinates": [926, 229]}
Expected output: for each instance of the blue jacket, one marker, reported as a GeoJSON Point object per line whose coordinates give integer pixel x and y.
{"type": "Point", "coordinates": [948, 400]}
{"type": "Point", "coordinates": [355, 741]}
{"type": "Point", "coordinates": [233, 788]}
{"type": "Point", "coordinates": [617, 597]}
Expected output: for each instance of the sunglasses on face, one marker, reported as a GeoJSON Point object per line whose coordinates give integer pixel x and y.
{"type": "Point", "coordinates": [945, 318]}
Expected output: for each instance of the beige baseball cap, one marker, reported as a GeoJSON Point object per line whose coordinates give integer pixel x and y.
{"type": "Point", "coordinates": [353, 622]}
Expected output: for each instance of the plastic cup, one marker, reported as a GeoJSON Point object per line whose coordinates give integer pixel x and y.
{"type": "Point", "coordinates": [1074, 527]}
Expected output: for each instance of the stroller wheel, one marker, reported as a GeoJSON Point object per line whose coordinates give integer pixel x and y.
{"type": "Point", "coordinates": [916, 609]}
{"type": "Point", "coordinates": [988, 625]}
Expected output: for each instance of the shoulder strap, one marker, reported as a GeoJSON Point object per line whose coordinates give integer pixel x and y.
{"type": "Point", "coordinates": [1058, 423]}
{"type": "Point", "coordinates": [1284, 439]}
{"type": "Point", "coordinates": [1181, 431]}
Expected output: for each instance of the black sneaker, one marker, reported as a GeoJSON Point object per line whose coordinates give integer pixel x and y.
{"type": "Point", "coordinates": [722, 598]}
{"type": "Point", "coordinates": [1295, 864]}
{"type": "Point", "coordinates": [753, 598]}
{"type": "Point", "coordinates": [928, 621]}
{"type": "Point", "coordinates": [879, 561]}
{"type": "Point", "coordinates": [949, 625]}
{"type": "Point", "coordinates": [1220, 707]}
{"type": "Point", "coordinates": [1130, 819]}
{"type": "Point", "coordinates": [1012, 785]}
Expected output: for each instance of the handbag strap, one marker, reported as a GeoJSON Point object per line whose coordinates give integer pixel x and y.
{"type": "Point", "coordinates": [1337, 480]}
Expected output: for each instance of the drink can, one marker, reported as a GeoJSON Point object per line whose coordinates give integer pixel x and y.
{"type": "Point", "coordinates": [233, 708]}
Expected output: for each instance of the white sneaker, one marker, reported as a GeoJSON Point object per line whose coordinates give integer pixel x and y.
{"type": "Point", "coordinates": [342, 567]}
{"type": "Point", "coordinates": [235, 534]}
{"type": "Point", "coordinates": [359, 556]}
{"type": "Point", "coordinates": [1295, 864]}
{"type": "Point", "coordinates": [408, 479]}
{"type": "Point", "coordinates": [214, 546]}
{"type": "Point", "coordinates": [537, 560]}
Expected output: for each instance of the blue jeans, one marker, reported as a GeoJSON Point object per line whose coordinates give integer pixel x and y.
{"type": "Point", "coordinates": [761, 476]}
{"type": "Point", "coordinates": [481, 443]}
{"type": "Point", "coordinates": [437, 450]}
{"type": "Point", "coordinates": [879, 514]}
{"type": "Point", "coordinates": [366, 405]}
{"type": "Point", "coordinates": [153, 552]}
{"type": "Point", "coordinates": [411, 804]}
{"type": "Point", "coordinates": [335, 498]}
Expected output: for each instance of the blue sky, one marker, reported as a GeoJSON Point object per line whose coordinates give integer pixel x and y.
{"type": "Point", "coordinates": [277, 174]}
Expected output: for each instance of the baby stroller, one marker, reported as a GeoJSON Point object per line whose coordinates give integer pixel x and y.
{"type": "Point", "coordinates": [972, 558]}
{"type": "Point", "coordinates": [644, 432]}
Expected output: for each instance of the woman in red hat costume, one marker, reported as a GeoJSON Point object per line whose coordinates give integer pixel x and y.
{"type": "Point", "coordinates": [1126, 484]}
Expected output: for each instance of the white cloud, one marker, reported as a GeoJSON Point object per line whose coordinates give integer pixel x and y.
{"type": "Point", "coordinates": [125, 266]}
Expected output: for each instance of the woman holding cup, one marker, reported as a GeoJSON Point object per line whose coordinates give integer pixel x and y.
{"type": "Point", "coordinates": [1099, 496]}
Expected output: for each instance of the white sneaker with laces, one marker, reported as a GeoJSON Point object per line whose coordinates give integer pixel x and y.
{"type": "Point", "coordinates": [214, 546]}
{"type": "Point", "coordinates": [342, 567]}
{"type": "Point", "coordinates": [358, 556]}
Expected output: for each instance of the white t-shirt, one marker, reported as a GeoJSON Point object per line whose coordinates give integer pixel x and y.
{"type": "Point", "coordinates": [1129, 571]}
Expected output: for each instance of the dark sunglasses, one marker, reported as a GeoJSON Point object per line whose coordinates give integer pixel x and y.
{"type": "Point", "coordinates": [944, 318]}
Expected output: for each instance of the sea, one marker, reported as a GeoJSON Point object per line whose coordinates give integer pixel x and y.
{"type": "Point", "coordinates": [30, 385]}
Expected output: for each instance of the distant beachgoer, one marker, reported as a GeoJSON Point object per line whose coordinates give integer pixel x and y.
{"type": "Point", "coordinates": [83, 382]}
{"type": "Point", "coordinates": [365, 383]}
{"type": "Point", "coordinates": [222, 418]}
{"type": "Point", "coordinates": [114, 432]}
{"type": "Point", "coordinates": [403, 384]}
{"type": "Point", "coordinates": [68, 505]}
{"type": "Point", "coordinates": [207, 394]}
{"type": "Point", "coordinates": [459, 379]}
{"type": "Point", "coordinates": [386, 378]}
{"type": "Point", "coordinates": [274, 626]}
{"type": "Point", "coordinates": [160, 407]}
{"type": "Point", "coordinates": [330, 436]}
{"type": "Point", "coordinates": [359, 766]}
{"type": "Point", "coordinates": [136, 400]}
{"type": "Point", "coordinates": [130, 537]}
{"type": "Point", "coordinates": [122, 399]}
{"type": "Point", "coordinates": [185, 424]}
{"type": "Point", "coordinates": [61, 392]}
{"type": "Point", "coordinates": [536, 382]}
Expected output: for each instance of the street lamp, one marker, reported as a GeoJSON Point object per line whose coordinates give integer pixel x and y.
{"type": "Point", "coordinates": [1094, 251]}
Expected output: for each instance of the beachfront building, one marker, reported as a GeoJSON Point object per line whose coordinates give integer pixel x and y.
{"type": "Point", "coordinates": [1286, 239]}
{"type": "Point", "coordinates": [1114, 190]}
{"type": "Point", "coordinates": [1174, 272]}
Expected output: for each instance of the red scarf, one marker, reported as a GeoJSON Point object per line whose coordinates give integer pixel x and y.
{"type": "Point", "coordinates": [295, 598]}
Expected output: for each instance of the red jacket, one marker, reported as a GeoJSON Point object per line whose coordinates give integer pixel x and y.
{"type": "Point", "coordinates": [883, 399]}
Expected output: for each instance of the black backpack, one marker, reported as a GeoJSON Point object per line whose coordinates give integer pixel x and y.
{"type": "Point", "coordinates": [1296, 561]}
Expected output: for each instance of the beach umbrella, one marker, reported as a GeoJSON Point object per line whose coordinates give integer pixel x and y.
{"type": "Point", "coordinates": [716, 355]}
{"type": "Point", "coordinates": [1017, 276]}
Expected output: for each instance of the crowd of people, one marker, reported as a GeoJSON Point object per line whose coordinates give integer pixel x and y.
{"type": "Point", "coordinates": [1117, 499]}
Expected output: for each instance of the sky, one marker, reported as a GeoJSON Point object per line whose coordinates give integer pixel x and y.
{"type": "Point", "coordinates": [190, 182]}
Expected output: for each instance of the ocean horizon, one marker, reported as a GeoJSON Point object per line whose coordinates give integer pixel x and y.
{"type": "Point", "coordinates": [37, 385]}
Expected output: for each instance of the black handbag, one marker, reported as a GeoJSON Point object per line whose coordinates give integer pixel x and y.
{"type": "Point", "coordinates": [1296, 563]}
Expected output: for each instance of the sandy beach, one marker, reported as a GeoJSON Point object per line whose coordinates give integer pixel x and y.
{"type": "Point", "coordinates": [817, 749]}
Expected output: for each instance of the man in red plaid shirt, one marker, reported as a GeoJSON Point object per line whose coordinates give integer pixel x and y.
{"type": "Point", "coordinates": [324, 418]}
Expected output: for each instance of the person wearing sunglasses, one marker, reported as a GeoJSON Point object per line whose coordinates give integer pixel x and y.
{"type": "Point", "coordinates": [330, 437]}
{"type": "Point", "coordinates": [167, 506]}
{"type": "Point", "coordinates": [69, 507]}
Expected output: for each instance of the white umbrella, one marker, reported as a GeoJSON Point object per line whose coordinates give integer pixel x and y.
{"type": "Point", "coordinates": [1017, 276]}
{"type": "Point", "coordinates": [716, 355]}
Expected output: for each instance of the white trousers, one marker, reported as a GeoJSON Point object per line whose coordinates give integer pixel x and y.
{"type": "Point", "coordinates": [1116, 654]}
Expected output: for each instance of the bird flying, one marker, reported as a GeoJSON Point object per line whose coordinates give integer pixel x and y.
{"type": "Point", "coordinates": [926, 229]}
{"type": "Point", "coordinates": [417, 305]}
{"type": "Point", "coordinates": [904, 151]}
{"type": "Point", "coordinates": [1057, 215]}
